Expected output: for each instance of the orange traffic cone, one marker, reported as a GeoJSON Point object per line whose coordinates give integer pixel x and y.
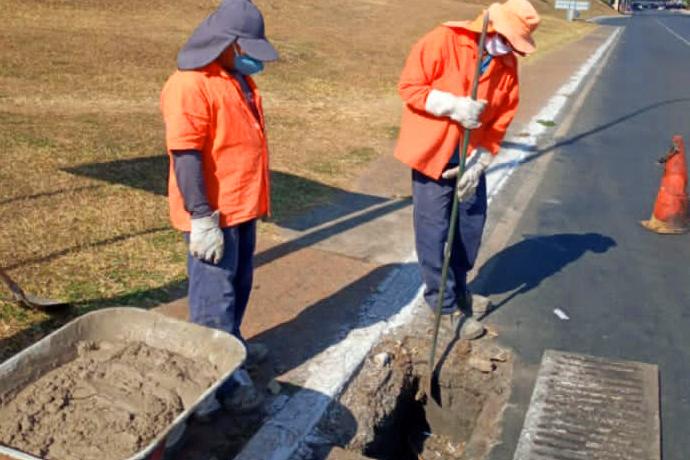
{"type": "Point", "coordinates": [670, 215]}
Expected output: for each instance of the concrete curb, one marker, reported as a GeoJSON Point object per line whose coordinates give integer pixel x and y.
{"type": "Point", "coordinates": [595, 19]}
{"type": "Point", "coordinates": [397, 298]}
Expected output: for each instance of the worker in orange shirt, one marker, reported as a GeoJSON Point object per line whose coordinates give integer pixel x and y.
{"type": "Point", "coordinates": [219, 177]}
{"type": "Point", "coordinates": [435, 86]}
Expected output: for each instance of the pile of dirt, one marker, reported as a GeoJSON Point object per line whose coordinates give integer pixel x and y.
{"type": "Point", "coordinates": [107, 404]}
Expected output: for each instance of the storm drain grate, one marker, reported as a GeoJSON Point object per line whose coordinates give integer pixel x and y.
{"type": "Point", "coordinates": [589, 408]}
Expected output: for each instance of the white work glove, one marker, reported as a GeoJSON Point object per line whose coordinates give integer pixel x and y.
{"type": "Point", "coordinates": [462, 109]}
{"type": "Point", "coordinates": [476, 165]}
{"type": "Point", "coordinates": [206, 238]}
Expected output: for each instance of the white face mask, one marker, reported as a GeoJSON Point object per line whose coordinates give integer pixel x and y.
{"type": "Point", "coordinates": [496, 46]}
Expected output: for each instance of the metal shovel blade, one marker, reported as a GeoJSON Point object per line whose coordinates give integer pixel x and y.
{"type": "Point", "coordinates": [31, 301]}
{"type": "Point", "coordinates": [441, 420]}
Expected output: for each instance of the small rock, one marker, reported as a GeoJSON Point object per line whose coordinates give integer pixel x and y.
{"type": "Point", "coordinates": [500, 355]}
{"type": "Point", "coordinates": [491, 331]}
{"type": "Point", "coordinates": [382, 359]}
{"type": "Point", "coordinates": [481, 364]}
{"type": "Point", "coordinates": [273, 387]}
{"type": "Point", "coordinates": [463, 347]}
{"type": "Point", "coordinates": [495, 353]}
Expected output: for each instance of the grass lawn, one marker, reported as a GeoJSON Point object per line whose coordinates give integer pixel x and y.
{"type": "Point", "coordinates": [83, 176]}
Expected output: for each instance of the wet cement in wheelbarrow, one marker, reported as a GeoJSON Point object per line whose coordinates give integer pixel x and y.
{"type": "Point", "coordinates": [107, 404]}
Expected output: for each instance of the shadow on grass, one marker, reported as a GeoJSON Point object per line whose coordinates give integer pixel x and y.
{"type": "Point", "coordinates": [81, 247]}
{"type": "Point", "coordinates": [146, 173]}
{"type": "Point", "coordinates": [290, 194]}
{"type": "Point", "coordinates": [49, 193]}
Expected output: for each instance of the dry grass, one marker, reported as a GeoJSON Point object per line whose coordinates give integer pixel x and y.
{"type": "Point", "coordinates": [82, 181]}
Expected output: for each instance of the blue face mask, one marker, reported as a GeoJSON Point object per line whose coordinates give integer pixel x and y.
{"type": "Point", "coordinates": [247, 65]}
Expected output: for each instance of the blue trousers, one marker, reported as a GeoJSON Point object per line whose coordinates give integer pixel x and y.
{"type": "Point", "coordinates": [218, 294]}
{"type": "Point", "coordinates": [432, 201]}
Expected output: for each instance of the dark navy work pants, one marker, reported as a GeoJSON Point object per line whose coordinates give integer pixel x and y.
{"type": "Point", "coordinates": [218, 294]}
{"type": "Point", "coordinates": [432, 201]}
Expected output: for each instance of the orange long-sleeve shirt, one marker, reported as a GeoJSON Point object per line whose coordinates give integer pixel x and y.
{"type": "Point", "coordinates": [445, 59]}
{"type": "Point", "coordinates": [205, 110]}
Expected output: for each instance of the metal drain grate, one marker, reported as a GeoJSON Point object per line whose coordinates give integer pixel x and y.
{"type": "Point", "coordinates": [588, 408]}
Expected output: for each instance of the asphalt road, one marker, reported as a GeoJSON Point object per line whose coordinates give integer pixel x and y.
{"type": "Point", "coordinates": [578, 246]}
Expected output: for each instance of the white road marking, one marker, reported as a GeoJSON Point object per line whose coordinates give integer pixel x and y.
{"type": "Point", "coordinates": [280, 436]}
{"type": "Point", "coordinates": [561, 314]}
{"type": "Point", "coordinates": [673, 32]}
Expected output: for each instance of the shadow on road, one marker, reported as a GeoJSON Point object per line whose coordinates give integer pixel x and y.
{"type": "Point", "coordinates": [523, 266]}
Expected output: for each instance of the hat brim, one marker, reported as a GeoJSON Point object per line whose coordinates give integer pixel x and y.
{"type": "Point", "coordinates": [499, 23]}
{"type": "Point", "coordinates": [258, 48]}
{"type": "Point", "coordinates": [521, 42]}
{"type": "Point", "coordinates": [475, 25]}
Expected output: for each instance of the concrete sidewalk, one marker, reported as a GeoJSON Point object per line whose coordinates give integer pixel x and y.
{"type": "Point", "coordinates": [311, 284]}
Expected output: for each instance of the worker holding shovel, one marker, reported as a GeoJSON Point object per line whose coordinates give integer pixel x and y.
{"type": "Point", "coordinates": [219, 177]}
{"type": "Point", "coordinates": [436, 85]}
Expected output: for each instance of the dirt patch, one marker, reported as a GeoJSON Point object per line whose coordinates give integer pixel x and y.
{"type": "Point", "coordinates": [107, 404]}
{"type": "Point", "coordinates": [389, 401]}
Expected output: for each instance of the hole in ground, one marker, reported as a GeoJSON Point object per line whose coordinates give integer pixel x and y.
{"type": "Point", "coordinates": [402, 434]}
{"type": "Point", "coordinates": [393, 424]}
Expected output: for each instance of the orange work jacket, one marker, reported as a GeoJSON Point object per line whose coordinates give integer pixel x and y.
{"type": "Point", "coordinates": [445, 59]}
{"type": "Point", "coordinates": [206, 110]}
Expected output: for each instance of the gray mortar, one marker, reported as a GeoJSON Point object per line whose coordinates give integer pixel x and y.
{"type": "Point", "coordinates": [106, 404]}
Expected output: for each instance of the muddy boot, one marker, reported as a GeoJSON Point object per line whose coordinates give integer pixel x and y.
{"type": "Point", "coordinates": [470, 328]}
{"type": "Point", "coordinates": [244, 397]}
{"type": "Point", "coordinates": [477, 305]}
{"type": "Point", "coordinates": [257, 353]}
{"type": "Point", "coordinates": [207, 410]}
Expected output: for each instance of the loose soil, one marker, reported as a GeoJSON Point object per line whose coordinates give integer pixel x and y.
{"type": "Point", "coordinates": [107, 404]}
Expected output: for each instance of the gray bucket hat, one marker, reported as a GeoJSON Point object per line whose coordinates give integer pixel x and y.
{"type": "Point", "coordinates": [233, 20]}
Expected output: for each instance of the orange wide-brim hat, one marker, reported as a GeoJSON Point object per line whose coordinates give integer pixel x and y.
{"type": "Point", "coordinates": [516, 20]}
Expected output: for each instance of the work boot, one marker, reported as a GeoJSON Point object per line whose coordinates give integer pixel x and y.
{"type": "Point", "coordinates": [477, 306]}
{"type": "Point", "coordinates": [470, 328]}
{"type": "Point", "coordinates": [207, 410]}
{"type": "Point", "coordinates": [257, 353]}
{"type": "Point", "coordinates": [244, 397]}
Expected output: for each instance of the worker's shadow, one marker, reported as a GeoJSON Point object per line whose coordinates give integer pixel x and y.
{"type": "Point", "coordinates": [228, 434]}
{"type": "Point", "coordinates": [289, 192]}
{"type": "Point", "coordinates": [523, 266]}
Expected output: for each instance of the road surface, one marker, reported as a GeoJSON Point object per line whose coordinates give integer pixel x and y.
{"type": "Point", "coordinates": [578, 246]}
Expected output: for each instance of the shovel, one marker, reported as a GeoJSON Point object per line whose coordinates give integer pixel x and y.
{"type": "Point", "coordinates": [440, 421]}
{"type": "Point", "coordinates": [29, 300]}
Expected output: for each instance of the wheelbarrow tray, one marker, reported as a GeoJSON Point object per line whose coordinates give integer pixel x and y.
{"type": "Point", "coordinates": [124, 325]}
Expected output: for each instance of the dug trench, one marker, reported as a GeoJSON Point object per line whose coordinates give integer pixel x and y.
{"type": "Point", "coordinates": [385, 412]}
